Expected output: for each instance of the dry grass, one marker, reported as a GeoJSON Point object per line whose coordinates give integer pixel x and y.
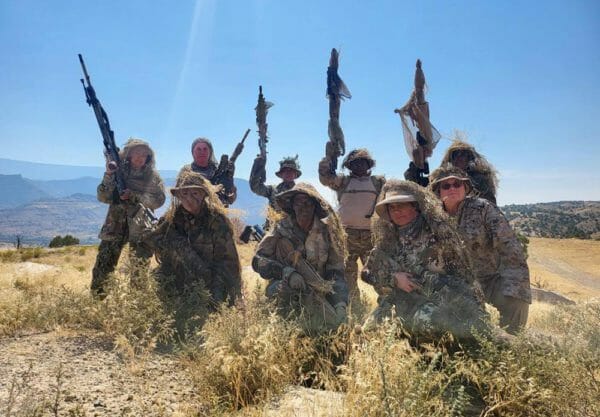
{"type": "Point", "coordinates": [246, 357]}
{"type": "Point", "coordinates": [569, 266]}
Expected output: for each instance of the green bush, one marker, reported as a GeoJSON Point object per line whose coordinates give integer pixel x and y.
{"type": "Point", "coordinates": [66, 240]}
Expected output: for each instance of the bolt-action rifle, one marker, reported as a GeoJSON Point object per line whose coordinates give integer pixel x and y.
{"type": "Point", "coordinates": [111, 151]}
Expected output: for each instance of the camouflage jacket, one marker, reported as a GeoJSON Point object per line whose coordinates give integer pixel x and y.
{"type": "Point", "coordinates": [146, 188]}
{"type": "Point", "coordinates": [495, 251]}
{"type": "Point", "coordinates": [482, 184]}
{"type": "Point", "coordinates": [209, 173]}
{"type": "Point", "coordinates": [269, 191]}
{"type": "Point", "coordinates": [199, 247]}
{"type": "Point", "coordinates": [431, 262]}
{"type": "Point", "coordinates": [316, 249]}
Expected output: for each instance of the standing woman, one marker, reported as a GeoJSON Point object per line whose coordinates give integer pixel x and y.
{"type": "Point", "coordinates": [498, 258]}
{"type": "Point", "coordinates": [144, 190]}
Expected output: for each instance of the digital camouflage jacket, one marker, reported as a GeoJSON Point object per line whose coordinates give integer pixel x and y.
{"type": "Point", "coordinates": [495, 251]}
{"type": "Point", "coordinates": [146, 188]}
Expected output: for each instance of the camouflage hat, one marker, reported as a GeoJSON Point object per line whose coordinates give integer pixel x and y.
{"type": "Point", "coordinates": [286, 199]}
{"type": "Point", "coordinates": [191, 179]}
{"type": "Point", "coordinates": [391, 197]}
{"type": "Point", "coordinates": [289, 162]}
{"type": "Point", "coordinates": [360, 153]}
{"type": "Point", "coordinates": [133, 143]}
{"type": "Point", "coordinates": [446, 172]}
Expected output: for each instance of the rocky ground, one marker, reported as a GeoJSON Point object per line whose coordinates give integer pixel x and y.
{"type": "Point", "coordinates": [67, 374]}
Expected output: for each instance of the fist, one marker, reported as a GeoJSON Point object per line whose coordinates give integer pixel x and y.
{"type": "Point", "coordinates": [296, 282]}
{"type": "Point", "coordinates": [111, 167]}
{"type": "Point", "coordinates": [403, 281]}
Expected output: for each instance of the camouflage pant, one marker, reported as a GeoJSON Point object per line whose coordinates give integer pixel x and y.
{"type": "Point", "coordinates": [107, 259]}
{"type": "Point", "coordinates": [314, 311]}
{"type": "Point", "coordinates": [513, 311]}
{"type": "Point", "coordinates": [359, 245]}
{"type": "Point", "coordinates": [453, 308]}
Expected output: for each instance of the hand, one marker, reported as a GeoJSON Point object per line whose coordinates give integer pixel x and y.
{"type": "Point", "coordinates": [340, 311]}
{"type": "Point", "coordinates": [296, 282]}
{"type": "Point", "coordinates": [403, 281]}
{"type": "Point", "coordinates": [111, 167]}
{"type": "Point", "coordinates": [126, 194]}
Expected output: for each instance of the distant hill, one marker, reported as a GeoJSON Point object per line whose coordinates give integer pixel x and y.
{"type": "Point", "coordinates": [562, 219]}
{"type": "Point", "coordinates": [16, 190]}
{"type": "Point", "coordinates": [38, 222]}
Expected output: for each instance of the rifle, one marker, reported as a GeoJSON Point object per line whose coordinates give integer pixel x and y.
{"type": "Point", "coordinates": [336, 91]}
{"type": "Point", "coordinates": [111, 151]}
{"type": "Point", "coordinates": [262, 108]}
{"type": "Point", "coordinates": [420, 136]}
{"type": "Point", "coordinates": [224, 173]}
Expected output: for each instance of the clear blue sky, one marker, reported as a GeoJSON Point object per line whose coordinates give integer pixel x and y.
{"type": "Point", "coordinates": [521, 79]}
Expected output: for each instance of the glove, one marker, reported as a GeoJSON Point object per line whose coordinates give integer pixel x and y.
{"type": "Point", "coordinates": [340, 311]}
{"type": "Point", "coordinates": [296, 282]}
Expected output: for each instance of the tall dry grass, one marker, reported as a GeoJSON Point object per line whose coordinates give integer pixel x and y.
{"type": "Point", "coordinates": [246, 356]}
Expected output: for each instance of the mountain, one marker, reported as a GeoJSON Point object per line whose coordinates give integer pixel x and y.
{"type": "Point", "coordinates": [562, 219]}
{"type": "Point", "coordinates": [38, 222]}
{"type": "Point", "coordinates": [16, 190]}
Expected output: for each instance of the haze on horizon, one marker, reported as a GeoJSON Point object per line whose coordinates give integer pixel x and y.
{"type": "Point", "coordinates": [521, 80]}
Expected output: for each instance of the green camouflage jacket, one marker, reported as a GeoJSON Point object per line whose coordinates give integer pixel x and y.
{"type": "Point", "coordinates": [201, 247]}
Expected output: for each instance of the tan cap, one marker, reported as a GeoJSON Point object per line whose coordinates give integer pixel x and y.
{"type": "Point", "coordinates": [391, 197]}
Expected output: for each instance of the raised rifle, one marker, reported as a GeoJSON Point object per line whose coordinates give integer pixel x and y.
{"type": "Point", "coordinates": [111, 151]}
{"type": "Point", "coordinates": [224, 173]}
{"type": "Point", "coordinates": [420, 136]}
{"type": "Point", "coordinates": [262, 108]}
{"type": "Point", "coordinates": [336, 92]}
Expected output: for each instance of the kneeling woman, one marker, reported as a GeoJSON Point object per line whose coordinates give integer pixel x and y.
{"type": "Point", "coordinates": [194, 242]}
{"type": "Point", "coordinates": [418, 266]}
{"type": "Point", "coordinates": [303, 259]}
{"type": "Point", "coordinates": [497, 256]}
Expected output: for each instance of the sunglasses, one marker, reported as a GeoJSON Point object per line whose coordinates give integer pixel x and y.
{"type": "Point", "coordinates": [448, 185]}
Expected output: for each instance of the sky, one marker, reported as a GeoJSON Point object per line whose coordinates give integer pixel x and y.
{"type": "Point", "coordinates": [520, 79]}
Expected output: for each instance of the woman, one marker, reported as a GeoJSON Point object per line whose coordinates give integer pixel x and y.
{"type": "Point", "coordinates": [144, 190]}
{"type": "Point", "coordinates": [204, 163]}
{"type": "Point", "coordinates": [194, 242]}
{"type": "Point", "coordinates": [497, 256]}
{"type": "Point", "coordinates": [418, 266]}
{"type": "Point", "coordinates": [303, 259]}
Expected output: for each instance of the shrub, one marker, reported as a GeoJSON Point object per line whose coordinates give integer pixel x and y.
{"type": "Point", "coordinates": [59, 241]}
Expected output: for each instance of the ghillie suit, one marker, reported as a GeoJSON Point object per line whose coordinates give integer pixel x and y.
{"type": "Point", "coordinates": [357, 196]}
{"type": "Point", "coordinates": [126, 220]}
{"type": "Point", "coordinates": [431, 251]}
{"type": "Point", "coordinates": [497, 256]}
{"type": "Point", "coordinates": [316, 259]}
{"type": "Point", "coordinates": [420, 136]}
{"type": "Point", "coordinates": [209, 172]}
{"type": "Point", "coordinates": [482, 174]}
{"type": "Point", "coordinates": [197, 249]}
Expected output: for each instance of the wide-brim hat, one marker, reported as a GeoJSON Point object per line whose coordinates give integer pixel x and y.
{"type": "Point", "coordinates": [446, 173]}
{"type": "Point", "coordinates": [190, 180]}
{"type": "Point", "coordinates": [391, 197]}
{"type": "Point", "coordinates": [286, 198]}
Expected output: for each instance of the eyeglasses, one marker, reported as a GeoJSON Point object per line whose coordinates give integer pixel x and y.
{"type": "Point", "coordinates": [446, 186]}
